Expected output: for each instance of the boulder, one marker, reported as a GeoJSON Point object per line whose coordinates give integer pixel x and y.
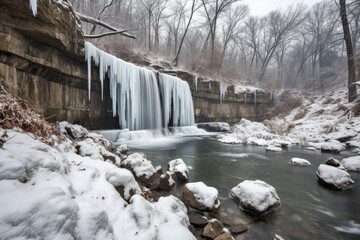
{"type": "Point", "coordinates": [300, 161]}
{"type": "Point", "coordinates": [198, 220]}
{"type": "Point", "coordinates": [124, 182]}
{"type": "Point", "coordinates": [199, 196]}
{"type": "Point", "coordinates": [179, 167]}
{"type": "Point", "coordinates": [213, 229]}
{"type": "Point", "coordinates": [351, 163]}
{"type": "Point", "coordinates": [332, 146]}
{"type": "Point", "coordinates": [73, 131]}
{"type": "Point", "coordinates": [142, 169]}
{"type": "Point", "coordinates": [333, 162]}
{"type": "Point", "coordinates": [237, 228]}
{"type": "Point", "coordinates": [224, 236]}
{"type": "Point", "coordinates": [334, 178]}
{"type": "Point", "coordinates": [167, 181]}
{"type": "Point", "coordinates": [273, 148]}
{"type": "Point", "coordinates": [256, 197]}
{"type": "Point", "coordinates": [214, 126]}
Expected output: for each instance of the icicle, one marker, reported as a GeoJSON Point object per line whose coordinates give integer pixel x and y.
{"type": "Point", "coordinates": [209, 85]}
{"type": "Point", "coordinates": [135, 93]}
{"type": "Point", "coordinates": [33, 6]}
{"type": "Point", "coordinates": [196, 82]}
{"type": "Point", "coordinates": [223, 90]}
{"type": "Point", "coordinates": [245, 98]}
{"type": "Point", "coordinates": [255, 96]}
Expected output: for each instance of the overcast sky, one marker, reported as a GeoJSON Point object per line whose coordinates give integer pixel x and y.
{"type": "Point", "coordinates": [262, 7]}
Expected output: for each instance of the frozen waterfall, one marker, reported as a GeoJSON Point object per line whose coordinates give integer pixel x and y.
{"type": "Point", "coordinates": [140, 99]}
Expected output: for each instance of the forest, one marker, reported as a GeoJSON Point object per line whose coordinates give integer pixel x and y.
{"type": "Point", "coordinates": [298, 47]}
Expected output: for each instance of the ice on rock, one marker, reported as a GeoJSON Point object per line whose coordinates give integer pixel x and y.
{"type": "Point", "coordinates": [256, 197]}
{"type": "Point", "coordinates": [333, 177]}
{"type": "Point", "coordinates": [136, 93]}
{"type": "Point", "coordinates": [351, 163]}
{"type": "Point", "coordinates": [179, 167]}
{"type": "Point", "coordinates": [300, 161]}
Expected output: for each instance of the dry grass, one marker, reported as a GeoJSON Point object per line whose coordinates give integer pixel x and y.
{"type": "Point", "coordinates": [15, 113]}
{"type": "Point", "coordinates": [287, 102]}
{"type": "Point", "coordinates": [302, 113]}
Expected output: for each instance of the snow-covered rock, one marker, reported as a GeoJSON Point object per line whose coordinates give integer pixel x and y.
{"type": "Point", "coordinates": [142, 169]}
{"type": "Point", "coordinates": [199, 196]}
{"type": "Point", "coordinates": [300, 161]}
{"type": "Point", "coordinates": [333, 162]}
{"type": "Point", "coordinates": [214, 126]}
{"type": "Point", "coordinates": [351, 163]}
{"type": "Point", "coordinates": [124, 182]}
{"type": "Point", "coordinates": [273, 148]}
{"type": "Point", "coordinates": [123, 149]}
{"type": "Point", "coordinates": [73, 131]}
{"type": "Point", "coordinates": [332, 146]}
{"type": "Point", "coordinates": [179, 167]}
{"type": "Point", "coordinates": [256, 197]}
{"type": "Point", "coordinates": [167, 181]}
{"type": "Point", "coordinates": [333, 177]}
{"type": "Point", "coordinates": [96, 150]}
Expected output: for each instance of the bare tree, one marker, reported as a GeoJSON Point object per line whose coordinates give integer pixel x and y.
{"type": "Point", "coordinates": [349, 51]}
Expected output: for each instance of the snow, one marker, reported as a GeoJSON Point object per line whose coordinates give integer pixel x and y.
{"type": "Point", "coordinates": [332, 146]}
{"type": "Point", "coordinates": [174, 232]}
{"type": "Point", "coordinates": [123, 177]}
{"type": "Point", "coordinates": [178, 166]}
{"type": "Point", "coordinates": [336, 178]}
{"type": "Point", "coordinates": [203, 194]}
{"type": "Point", "coordinates": [90, 148]}
{"type": "Point", "coordinates": [136, 93]}
{"type": "Point", "coordinates": [55, 193]}
{"type": "Point", "coordinates": [351, 163]}
{"type": "Point", "coordinates": [272, 148]}
{"type": "Point", "coordinates": [257, 194]}
{"type": "Point", "coordinates": [299, 161]}
{"type": "Point", "coordinates": [140, 165]}
{"type": "Point", "coordinates": [33, 6]}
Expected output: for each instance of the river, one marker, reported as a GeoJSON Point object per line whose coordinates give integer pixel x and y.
{"type": "Point", "coordinates": [308, 209]}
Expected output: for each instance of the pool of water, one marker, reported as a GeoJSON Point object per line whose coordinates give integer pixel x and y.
{"type": "Point", "coordinates": [308, 211]}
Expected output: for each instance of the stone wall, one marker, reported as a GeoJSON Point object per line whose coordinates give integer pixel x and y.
{"type": "Point", "coordinates": [234, 106]}
{"type": "Point", "coordinates": [41, 61]}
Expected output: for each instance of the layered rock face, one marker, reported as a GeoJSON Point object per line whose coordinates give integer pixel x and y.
{"type": "Point", "coordinates": [42, 61]}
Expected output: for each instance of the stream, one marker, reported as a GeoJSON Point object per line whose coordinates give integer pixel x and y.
{"type": "Point", "coordinates": [308, 211]}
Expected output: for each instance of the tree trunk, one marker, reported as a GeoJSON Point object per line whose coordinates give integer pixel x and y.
{"type": "Point", "coordinates": [349, 51]}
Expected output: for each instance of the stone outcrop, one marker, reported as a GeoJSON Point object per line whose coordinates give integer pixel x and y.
{"type": "Point", "coordinates": [42, 60]}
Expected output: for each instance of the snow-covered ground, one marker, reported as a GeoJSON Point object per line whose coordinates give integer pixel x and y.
{"type": "Point", "coordinates": [326, 122]}
{"type": "Point", "coordinates": [66, 192]}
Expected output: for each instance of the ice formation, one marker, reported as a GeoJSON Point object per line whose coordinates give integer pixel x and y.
{"type": "Point", "coordinates": [139, 99]}
{"type": "Point", "coordinates": [33, 6]}
{"type": "Point", "coordinates": [223, 90]}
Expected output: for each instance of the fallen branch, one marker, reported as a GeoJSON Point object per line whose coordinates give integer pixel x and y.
{"type": "Point", "coordinates": [105, 34]}
{"type": "Point", "coordinates": [124, 32]}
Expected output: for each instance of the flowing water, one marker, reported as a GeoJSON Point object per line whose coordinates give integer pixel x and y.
{"type": "Point", "coordinates": [308, 211]}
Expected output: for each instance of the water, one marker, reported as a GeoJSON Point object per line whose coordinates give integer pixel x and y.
{"type": "Point", "coordinates": [308, 211]}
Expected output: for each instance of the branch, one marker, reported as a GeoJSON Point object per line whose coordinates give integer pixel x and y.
{"type": "Point", "coordinates": [88, 19]}
{"type": "Point", "coordinates": [123, 32]}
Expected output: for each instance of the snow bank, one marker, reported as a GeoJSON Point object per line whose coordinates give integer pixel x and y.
{"type": "Point", "coordinates": [272, 148]}
{"type": "Point", "coordinates": [351, 163]}
{"type": "Point", "coordinates": [248, 132]}
{"type": "Point", "coordinates": [257, 197]}
{"type": "Point", "coordinates": [334, 177]}
{"type": "Point", "coordinates": [332, 146]}
{"type": "Point", "coordinates": [300, 161]}
{"type": "Point", "coordinates": [54, 193]}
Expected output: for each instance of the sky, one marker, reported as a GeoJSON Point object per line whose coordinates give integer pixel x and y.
{"type": "Point", "coordinates": [262, 7]}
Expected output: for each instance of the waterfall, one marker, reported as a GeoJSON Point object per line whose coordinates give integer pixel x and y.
{"type": "Point", "coordinates": [139, 99]}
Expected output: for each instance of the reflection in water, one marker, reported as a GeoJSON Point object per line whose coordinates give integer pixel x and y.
{"type": "Point", "coordinates": [308, 211]}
